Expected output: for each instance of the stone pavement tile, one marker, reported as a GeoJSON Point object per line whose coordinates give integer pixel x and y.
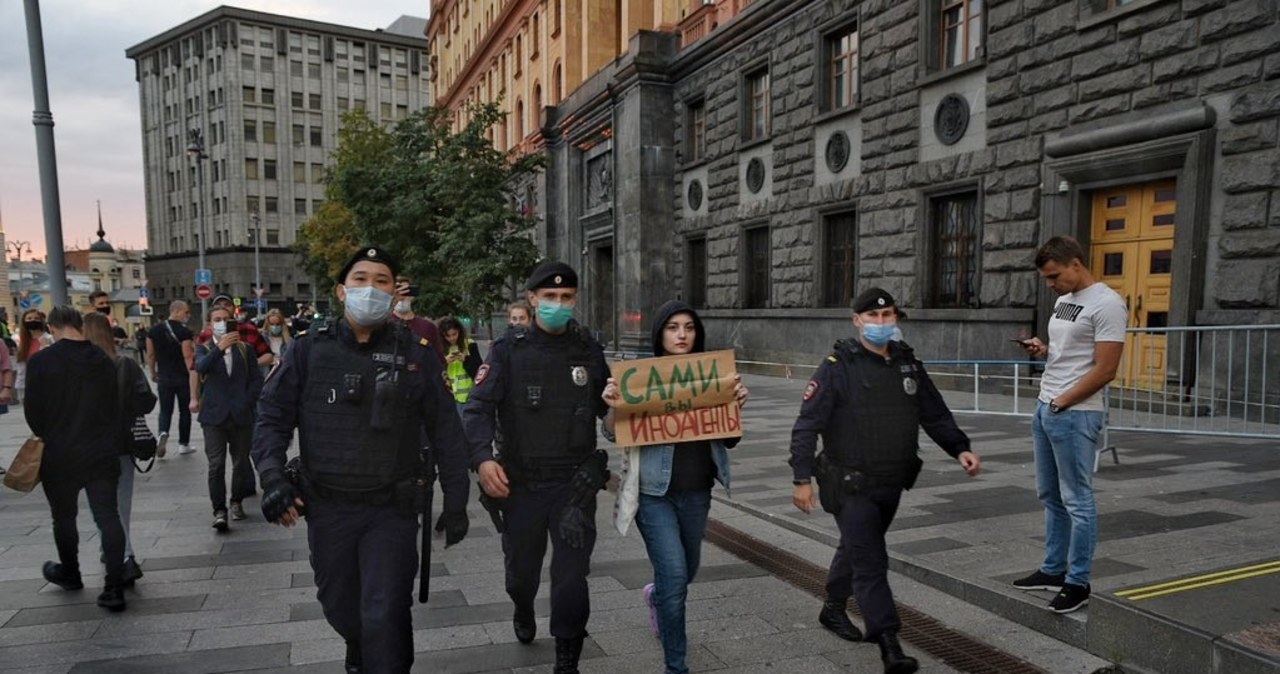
{"type": "Point", "coordinates": [1131, 523]}
{"type": "Point", "coordinates": [158, 563]}
{"type": "Point", "coordinates": [776, 646]}
{"type": "Point", "coordinates": [129, 623]}
{"type": "Point", "coordinates": [271, 581]}
{"type": "Point", "coordinates": [91, 611]}
{"type": "Point", "coordinates": [497, 657]}
{"type": "Point", "coordinates": [41, 634]}
{"type": "Point", "coordinates": [230, 571]}
{"type": "Point", "coordinates": [237, 659]}
{"type": "Point", "coordinates": [254, 635]}
{"type": "Point", "coordinates": [255, 598]}
{"type": "Point", "coordinates": [1253, 493]}
{"type": "Point", "coordinates": [449, 637]}
{"type": "Point", "coordinates": [928, 545]}
{"type": "Point", "coordinates": [47, 669]}
{"type": "Point", "coordinates": [698, 658]}
{"type": "Point", "coordinates": [501, 632]}
{"type": "Point", "coordinates": [865, 659]}
{"type": "Point", "coordinates": [95, 649]}
{"type": "Point", "coordinates": [317, 650]}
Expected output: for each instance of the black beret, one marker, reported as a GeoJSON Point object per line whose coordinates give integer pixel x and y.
{"type": "Point", "coordinates": [874, 298]}
{"type": "Point", "coordinates": [552, 275]}
{"type": "Point", "coordinates": [373, 254]}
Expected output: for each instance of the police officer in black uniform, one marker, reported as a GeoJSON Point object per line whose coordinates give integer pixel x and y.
{"type": "Point", "coordinates": [868, 401]}
{"type": "Point", "coordinates": [544, 381]}
{"type": "Point", "coordinates": [361, 390]}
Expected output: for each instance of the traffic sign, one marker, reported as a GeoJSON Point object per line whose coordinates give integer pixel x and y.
{"type": "Point", "coordinates": [37, 299]}
{"type": "Point", "coordinates": [204, 291]}
{"type": "Point", "coordinates": [142, 293]}
{"type": "Point", "coordinates": [235, 301]}
{"type": "Point", "coordinates": [259, 304]}
{"type": "Point", "coordinates": [204, 277]}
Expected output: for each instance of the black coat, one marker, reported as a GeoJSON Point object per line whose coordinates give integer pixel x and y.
{"type": "Point", "coordinates": [72, 402]}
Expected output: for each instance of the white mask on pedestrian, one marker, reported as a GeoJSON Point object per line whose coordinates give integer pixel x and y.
{"type": "Point", "coordinates": [219, 329]}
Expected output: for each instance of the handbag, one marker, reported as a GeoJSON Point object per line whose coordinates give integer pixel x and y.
{"type": "Point", "coordinates": [142, 443]}
{"type": "Point", "coordinates": [24, 472]}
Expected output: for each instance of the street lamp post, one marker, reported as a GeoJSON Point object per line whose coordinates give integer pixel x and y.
{"type": "Point", "coordinates": [257, 266]}
{"type": "Point", "coordinates": [195, 150]}
{"type": "Point", "coordinates": [17, 247]}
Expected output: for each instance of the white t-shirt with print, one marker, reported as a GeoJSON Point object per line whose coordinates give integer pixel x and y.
{"type": "Point", "coordinates": [1080, 320]}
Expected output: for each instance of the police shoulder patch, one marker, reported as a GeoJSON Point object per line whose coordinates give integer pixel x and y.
{"type": "Point", "coordinates": [482, 373]}
{"type": "Point", "coordinates": [424, 341]}
{"type": "Point", "coordinates": [833, 358]}
{"type": "Point", "coordinates": [811, 390]}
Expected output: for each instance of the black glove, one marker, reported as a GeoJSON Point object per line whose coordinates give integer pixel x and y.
{"type": "Point", "coordinates": [494, 508]}
{"type": "Point", "coordinates": [454, 525]}
{"type": "Point", "coordinates": [590, 477]}
{"type": "Point", "coordinates": [574, 526]}
{"type": "Point", "coordinates": [278, 495]}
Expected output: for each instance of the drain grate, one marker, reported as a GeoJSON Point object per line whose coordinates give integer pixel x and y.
{"type": "Point", "coordinates": [956, 649]}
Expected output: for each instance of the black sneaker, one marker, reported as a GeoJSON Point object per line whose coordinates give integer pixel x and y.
{"type": "Point", "coordinates": [131, 573]}
{"type": "Point", "coordinates": [1071, 597]}
{"type": "Point", "coordinates": [220, 520]}
{"type": "Point", "coordinates": [1041, 581]}
{"type": "Point", "coordinates": [237, 511]}
{"type": "Point", "coordinates": [54, 573]}
{"type": "Point", "coordinates": [112, 598]}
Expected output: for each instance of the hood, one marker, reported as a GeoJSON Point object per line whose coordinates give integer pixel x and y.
{"type": "Point", "coordinates": [82, 353]}
{"type": "Point", "coordinates": [665, 312]}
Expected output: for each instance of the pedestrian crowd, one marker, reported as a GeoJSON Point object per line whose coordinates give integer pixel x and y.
{"type": "Point", "coordinates": [381, 404]}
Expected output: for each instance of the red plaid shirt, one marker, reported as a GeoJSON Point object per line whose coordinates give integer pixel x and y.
{"type": "Point", "coordinates": [248, 334]}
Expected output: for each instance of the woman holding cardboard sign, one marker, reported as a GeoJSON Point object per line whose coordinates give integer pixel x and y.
{"type": "Point", "coordinates": [667, 490]}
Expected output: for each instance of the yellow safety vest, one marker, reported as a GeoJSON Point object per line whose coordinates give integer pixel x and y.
{"type": "Point", "coordinates": [460, 381]}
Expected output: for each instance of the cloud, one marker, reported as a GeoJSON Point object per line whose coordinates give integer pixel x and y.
{"type": "Point", "coordinates": [94, 100]}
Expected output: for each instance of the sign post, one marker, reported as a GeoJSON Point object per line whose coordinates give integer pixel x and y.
{"type": "Point", "coordinates": [677, 399]}
{"type": "Point", "coordinates": [204, 291]}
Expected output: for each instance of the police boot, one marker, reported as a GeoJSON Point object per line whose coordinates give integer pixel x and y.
{"type": "Point", "coordinates": [354, 660]}
{"type": "Point", "coordinates": [525, 625]}
{"type": "Point", "coordinates": [567, 653]}
{"type": "Point", "coordinates": [835, 619]}
{"type": "Point", "coordinates": [895, 661]}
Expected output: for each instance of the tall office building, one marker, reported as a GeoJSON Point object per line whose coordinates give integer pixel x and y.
{"type": "Point", "coordinates": [266, 93]}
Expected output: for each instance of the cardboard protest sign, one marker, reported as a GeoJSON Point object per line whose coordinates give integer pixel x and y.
{"type": "Point", "coordinates": [676, 399]}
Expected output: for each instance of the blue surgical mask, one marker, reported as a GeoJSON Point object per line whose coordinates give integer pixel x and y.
{"type": "Point", "coordinates": [367, 306]}
{"type": "Point", "coordinates": [554, 315]}
{"type": "Point", "coordinates": [878, 334]}
{"type": "Point", "coordinates": [219, 329]}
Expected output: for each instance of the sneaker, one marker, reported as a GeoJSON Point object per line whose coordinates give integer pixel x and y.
{"type": "Point", "coordinates": [653, 610]}
{"type": "Point", "coordinates": [161, 441]}
{"type": "Point", "coordinates": [54, 573]}
{"type": "Point", "coordinates": [1041, 581]}
{"type": "Point", "coordinates": [220, 520]}
{"type": "Point", "coordinates": [1071, 597]}
{"type": "Point", "coordinates": [131, 573]}
{"type": "Point", "coordinates": [237, 512]}
{"type": "Point", "coordinates": [185, 449]}
{"type": "Point", "coordinates": [112, 598]}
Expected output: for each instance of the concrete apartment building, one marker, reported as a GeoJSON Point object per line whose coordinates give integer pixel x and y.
{"type": "Point", "coordinates": [766, 160]}
{"type": "Point", "coordinates": [267, 93]}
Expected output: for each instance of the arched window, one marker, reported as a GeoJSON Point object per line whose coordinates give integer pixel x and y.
{"type": "Point", "coordinates": [537, 104]}
{"type": "Point", "coordinates": [519, 122]}
{"type": "Point", "coordinates": [557, 85]}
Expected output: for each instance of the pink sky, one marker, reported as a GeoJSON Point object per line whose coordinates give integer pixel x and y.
{"type": "Point", "coordinates": [94, 101]}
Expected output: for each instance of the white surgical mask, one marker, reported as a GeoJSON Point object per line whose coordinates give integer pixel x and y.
{"type": "Point", "coordinates": [219, 329]}
{"type": "Point", "coordinates": [367, 306]}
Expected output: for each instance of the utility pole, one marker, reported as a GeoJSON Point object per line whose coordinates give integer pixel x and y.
{"type": "Point", "coordinates": [47, 157]}
{"type": "Point", "coordinates": [17, 247]}
{"type": "Point", "coordinates": [195, 150]}
{"type": "Point", "coordinates": [257, 266]}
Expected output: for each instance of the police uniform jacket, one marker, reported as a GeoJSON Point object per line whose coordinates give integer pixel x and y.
{"type": "Point", "coordinates": [546, 389]}
{"type": "Point", "coordinates": [286, 391]}
{"type": "Point", "coordinates": [868, 409]}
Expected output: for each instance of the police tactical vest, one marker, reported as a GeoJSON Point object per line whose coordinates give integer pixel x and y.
{"type": "Point", "coordinates": [548, 416]}
{"type": "Point", "coordinates": [340, 447]}
{"type": "Point", "coordinates": [877, 427]}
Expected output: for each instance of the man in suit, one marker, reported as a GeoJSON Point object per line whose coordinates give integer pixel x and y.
{"type": "Point", "coordinates": [230, 382]}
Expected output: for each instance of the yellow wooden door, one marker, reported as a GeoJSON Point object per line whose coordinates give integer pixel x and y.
{"type": "Point", "coordinates": [1132, 252]}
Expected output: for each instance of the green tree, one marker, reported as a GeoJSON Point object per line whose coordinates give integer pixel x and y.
{"type": "Point", "coordinates": [441, 200]}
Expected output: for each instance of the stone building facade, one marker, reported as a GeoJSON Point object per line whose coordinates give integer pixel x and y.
{"type": "Point", "coordinates": [267, 93]}
{"type": "Point", "coordinates": [803, 151]}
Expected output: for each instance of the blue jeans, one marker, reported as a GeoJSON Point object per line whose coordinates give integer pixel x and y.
{"type": "Point", "coordinates": [673, 526]}
{"type": "Point", "coordinates": [182, 392]}
{"type": "Point", "coordinates": [124, 499]}
{"type": "Point", "coordinates": [1065, 445]}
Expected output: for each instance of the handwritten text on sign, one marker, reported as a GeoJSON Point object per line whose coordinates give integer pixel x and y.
{"type": "Point", "coordinates": [677, 399]}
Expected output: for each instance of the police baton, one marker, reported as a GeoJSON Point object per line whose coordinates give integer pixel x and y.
{"type": "Point", "coordinates": [424, 570]}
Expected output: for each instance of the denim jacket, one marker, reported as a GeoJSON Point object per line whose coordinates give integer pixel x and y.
{"type": "Point", "coordinates": [655, 467]}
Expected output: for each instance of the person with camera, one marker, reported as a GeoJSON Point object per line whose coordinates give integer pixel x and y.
{"type": "Point", "coordinates": [868, 401]}
{"type": "Point", "coordinates": [230, 381]}
{"type": "Point", "coordinates": [362, 391]}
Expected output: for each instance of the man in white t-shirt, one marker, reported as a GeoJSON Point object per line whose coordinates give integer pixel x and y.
{"type": "Point", "coordinates": [1086, 338]}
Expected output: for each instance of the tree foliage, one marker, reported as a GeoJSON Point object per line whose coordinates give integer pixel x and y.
{"type": "Point", "coordinates": [442, 201]}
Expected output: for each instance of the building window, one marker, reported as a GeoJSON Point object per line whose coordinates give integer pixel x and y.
{"type": "Point", "coordinates": [269, 169]}
{"type": "Point", "coordinates": [313, 71]}
{"type": "Point", "coordinates": [273, 239]}
{"type": "Point", "coordinates": [304, 289]}
{"type": "Point", "coordinates": [841, 53]}
{"type": "Point", "coordinates": [695, 267]}
{"type": "Point", "coordinates": [250, 130]}
{"type": "Point", "coordinates": [246, 61]}
{"type": "Point", "coordinates": [955, 234]}
{"type": "Point", "coordinates": [956, 33]}
{"type": "Point", "coordinates": [273, 205]}
{"type": "Point", "coordinates": [757, 105]}
{"type": "Point", "coordinates": [268, 63]}
{"type": "Point", "coordinates": [251, 169]}
{"type": "Point", "coordinates": [839, 273]}
{"type": "Point", "coordinates": [313, 101]}
{"type": "Point", "coordinates": [300, 206]}
{"type": "Point", "coordinates": [697, 116]}
{"type": "Point", "coordinates": [557, 85]}
{"type": "Point", "coordinates": [268, 96]}
{"type": "Point", "coordinates": [756, 268]}
{"type": "Point", "coordinates": [317, 175]}
{"type": "Point", "coordinates": [269, 133]}
{"type": "Point", "coordinates": [317, 136]}
{"type": "Point", "coordinates": [295, 99]}
{"type": "Point", "coordinates": [299, 135]}
{"type": "Point", "coordinates": [299, 172]}
{"type": "Point", "coordinates": [295, 68]}
{"type": "Point", "coordinates": [251, 203]}
{"type": "Point", "coordinates": [250, 95]}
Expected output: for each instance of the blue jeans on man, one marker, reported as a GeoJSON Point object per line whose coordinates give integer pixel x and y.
{"type": "Point", "coordinates": [1065, 450]}
{"type": "Point", "coordinates": [673, 526]}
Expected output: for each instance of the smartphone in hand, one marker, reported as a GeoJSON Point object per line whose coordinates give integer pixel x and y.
{"type": "Point", "coordinates": [233, 326]}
